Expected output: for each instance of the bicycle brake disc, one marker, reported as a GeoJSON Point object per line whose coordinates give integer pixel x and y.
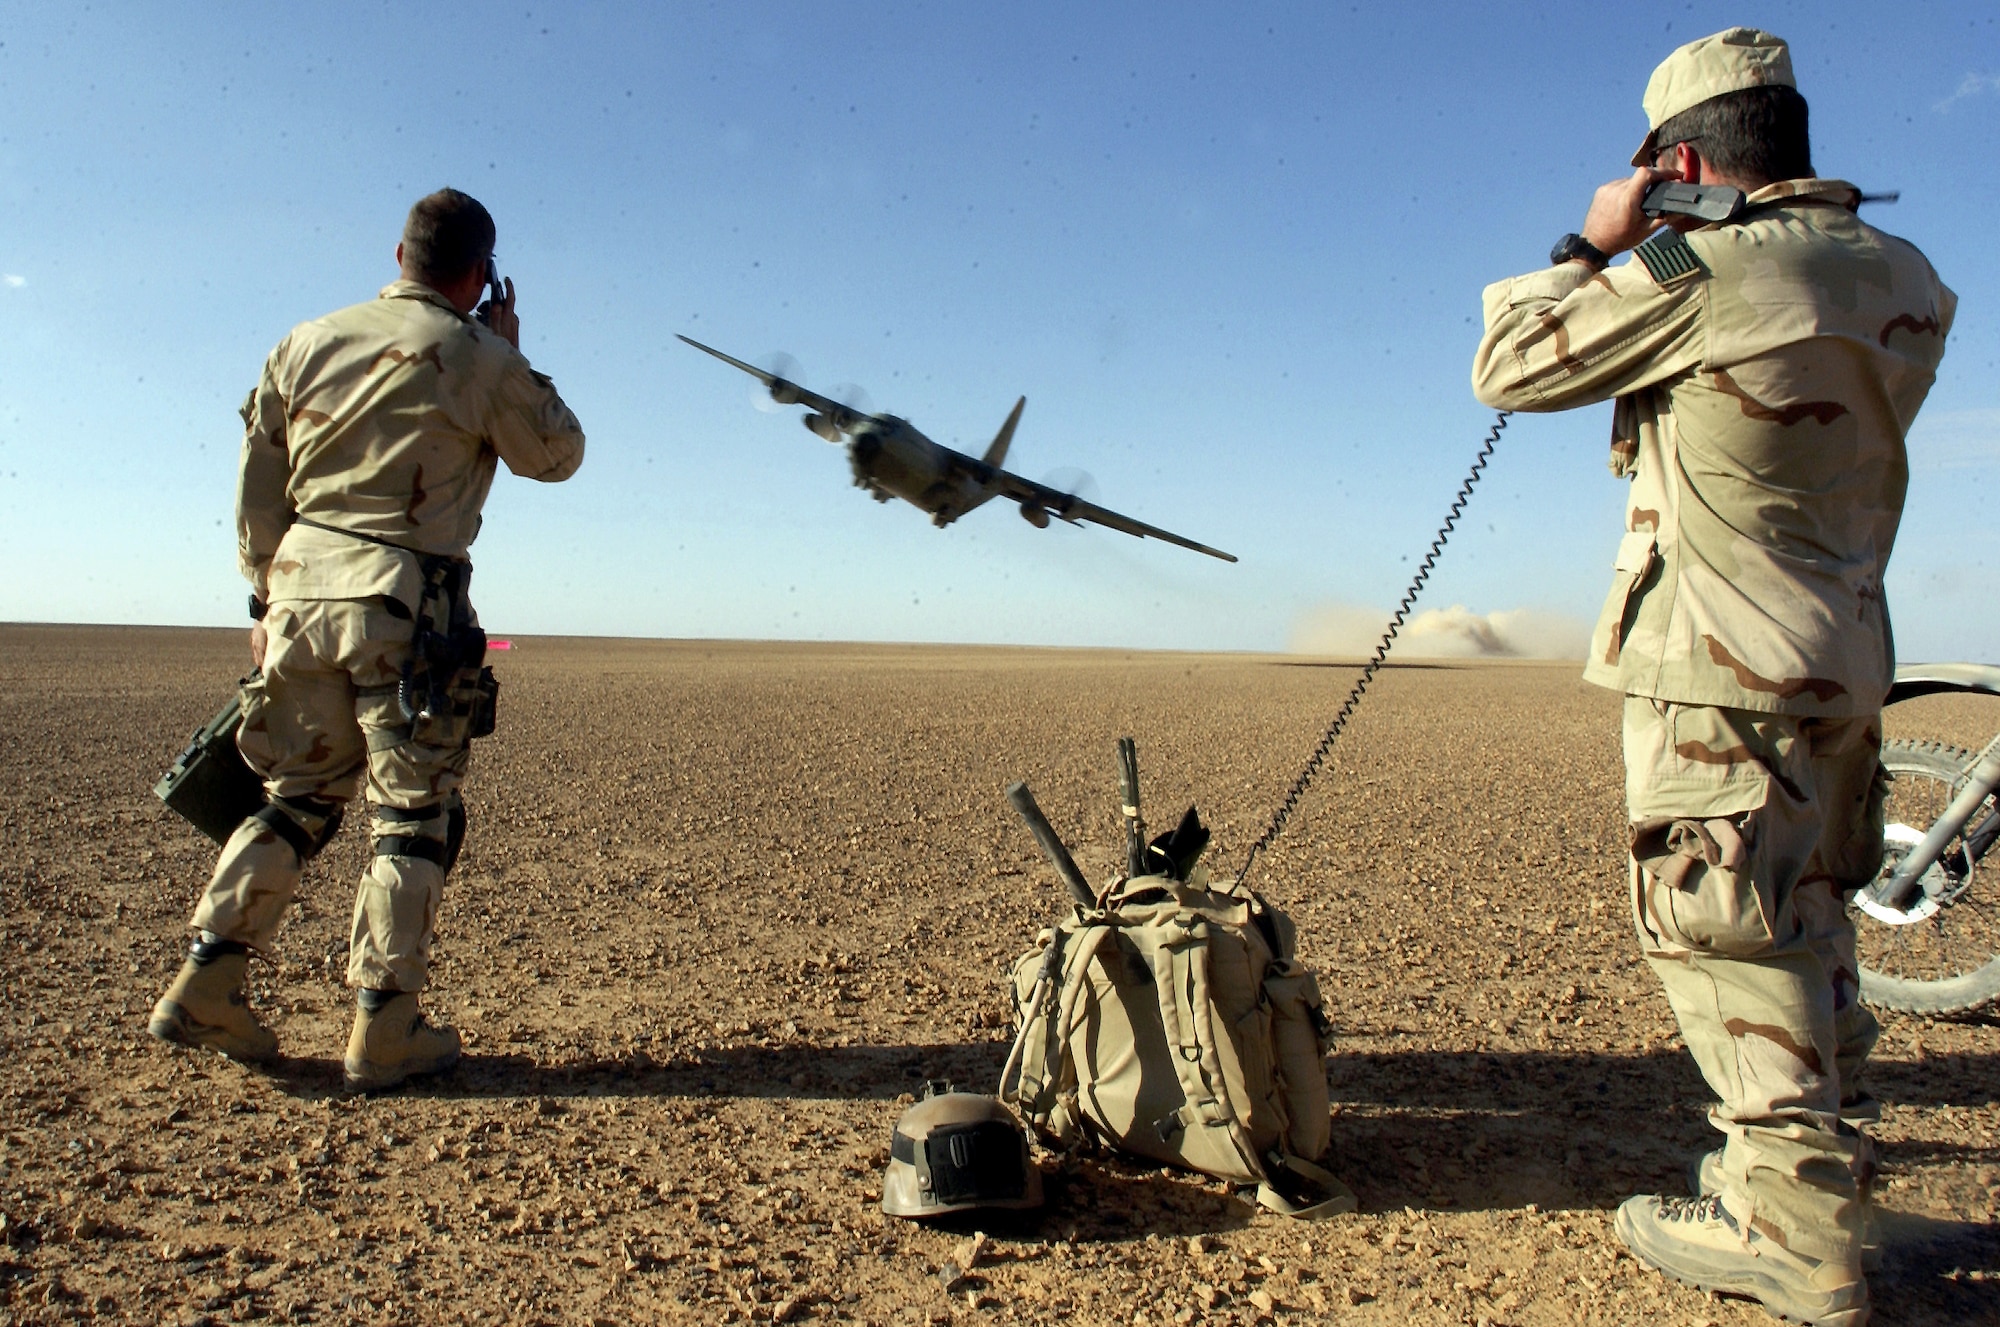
{"type": "Point", "coordinates": [1935, 883]}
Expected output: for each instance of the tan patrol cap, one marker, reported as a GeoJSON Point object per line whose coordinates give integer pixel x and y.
{"type": "Point", "coordinates": [1727, 62]}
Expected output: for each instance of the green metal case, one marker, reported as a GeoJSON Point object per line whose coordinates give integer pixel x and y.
{"type": "Point", "coordinates": [209, 785]}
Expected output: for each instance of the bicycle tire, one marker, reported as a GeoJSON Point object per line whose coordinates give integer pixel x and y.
{"type": "Point", "coordinates": [1939, 956]}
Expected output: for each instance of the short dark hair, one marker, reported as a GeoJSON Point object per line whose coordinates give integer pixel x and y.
{"type": "Point", "coordinates": [1756, 135]}
{"type": "Point", "coordinates": [448, 235]}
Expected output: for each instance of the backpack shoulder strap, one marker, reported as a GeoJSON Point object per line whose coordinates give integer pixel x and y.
{"type": "Point", "coordinates": [1038, 1067]}
{"type": "Point", "coordinates": [1178, 954]}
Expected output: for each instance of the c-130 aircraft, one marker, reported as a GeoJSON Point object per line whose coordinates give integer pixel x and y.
{"type": "Point", "coordinates": [891, 459]}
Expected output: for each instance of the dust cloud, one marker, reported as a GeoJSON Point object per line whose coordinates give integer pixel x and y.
{"type": "Point", "coordinates": [1442, 633]}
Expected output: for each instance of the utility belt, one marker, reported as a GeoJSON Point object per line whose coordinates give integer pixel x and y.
{"type": "Point", "coordinates": [447, 694]}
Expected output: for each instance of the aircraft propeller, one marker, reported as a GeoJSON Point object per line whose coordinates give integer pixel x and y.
{"type": "Point", "coordinates": [774, 397]}
{"type": "Point", "coordinates": [855, 399]}
{"type": "Point", "coordinates": [1070, 481]}
{"type": "Point", "coordinates": [850, 406]}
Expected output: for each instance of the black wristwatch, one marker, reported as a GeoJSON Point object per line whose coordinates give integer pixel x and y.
{"type": "Point", "coordinates": [257, 609]}
{"type": "Point", "coordinates": [1575, 246]}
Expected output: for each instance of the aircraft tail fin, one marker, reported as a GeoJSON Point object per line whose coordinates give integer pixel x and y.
{"type": "Point", "coordinates": [996, 454]}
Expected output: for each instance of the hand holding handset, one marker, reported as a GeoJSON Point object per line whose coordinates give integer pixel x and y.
{"type": "Point", "coordinates": [494, 292]}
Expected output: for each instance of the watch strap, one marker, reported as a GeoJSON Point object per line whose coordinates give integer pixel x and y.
{"type": "Point", "coordinates": [1574, 245]}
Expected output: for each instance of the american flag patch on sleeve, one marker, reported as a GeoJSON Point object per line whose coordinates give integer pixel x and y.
{"type": "Point", "coordinates": [1669, 258]}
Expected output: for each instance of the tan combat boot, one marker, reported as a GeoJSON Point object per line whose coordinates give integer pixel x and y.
{"type": "Point", "coordinates": [205, 1008]}
{"type": "Point", "coordinates": [1697, 1242]}
{"type": "Point", "coordinates": [1705, 1181]}
{"type": "Point", "coordinates": [393, 1041]}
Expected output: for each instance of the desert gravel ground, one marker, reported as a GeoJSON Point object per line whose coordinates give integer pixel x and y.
{"type": "Point", "coordinates": [726, 905]}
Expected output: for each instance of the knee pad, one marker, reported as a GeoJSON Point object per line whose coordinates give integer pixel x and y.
{"type": "Point", "coordinates": [414, 843]}
{"type": "Point", "coordinates": [292, 818]}
{"type": "Point", "coordinates": [208, 946]}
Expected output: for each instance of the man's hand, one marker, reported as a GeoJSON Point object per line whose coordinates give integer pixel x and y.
{"type": "Point", "coordinates": [501, 317]}
{"type": "Point", "coordinates": [1615, 222]}
{"type": "Point", "coordinates": [257, 641]}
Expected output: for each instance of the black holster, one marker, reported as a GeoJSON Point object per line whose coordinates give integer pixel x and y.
{"type": "Point", "coordinates": [446, 685]}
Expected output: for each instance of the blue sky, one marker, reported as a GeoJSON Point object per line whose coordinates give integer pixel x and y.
{"type": "Point", "coordinates": [1232, 255]}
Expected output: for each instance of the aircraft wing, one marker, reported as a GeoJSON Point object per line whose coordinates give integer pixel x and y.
{"type": "Point", "coordinates": [1075, 510]}
{"type": "Point", "coordinates": [783, 390]}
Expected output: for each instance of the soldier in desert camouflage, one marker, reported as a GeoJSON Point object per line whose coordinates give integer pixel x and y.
{"type": "Point", "coordinates": [370, 443]}
{"type": "Point", "coordinates": [1764, 374]}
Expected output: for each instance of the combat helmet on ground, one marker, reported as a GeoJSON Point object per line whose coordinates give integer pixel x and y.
{"type": "Point", "coordinates": [957, 1151]}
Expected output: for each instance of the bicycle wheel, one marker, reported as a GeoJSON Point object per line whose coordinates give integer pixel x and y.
{"type": "Point", "coordinates": [1939, 956]}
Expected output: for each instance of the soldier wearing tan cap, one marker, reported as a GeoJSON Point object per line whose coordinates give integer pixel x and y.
{"type": "Point", "coordinates": [370, 443]}
{"type": "Point", "coordinates": [1764, 373]}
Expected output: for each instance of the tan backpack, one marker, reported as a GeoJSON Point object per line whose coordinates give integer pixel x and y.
{"type": "Point", "coordinates": [1172, 1022]}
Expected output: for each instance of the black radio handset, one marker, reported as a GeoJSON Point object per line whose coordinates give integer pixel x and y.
{"type": "Point", "coordinates": [1713, 202]}
{"type": "Point", "coordinates": [1710, 202]}
{"type": "Point", "coordinates": [494, 291]}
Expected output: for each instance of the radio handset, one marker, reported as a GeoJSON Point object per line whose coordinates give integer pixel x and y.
{"type": "Point", "coordinates": [1709, 202]}
{"type": "Point", "coordinates": [1714, 202]}
{"type": "Point", "coordinates": [494, 292]}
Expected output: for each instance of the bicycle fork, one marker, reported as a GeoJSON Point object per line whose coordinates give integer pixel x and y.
{"type": "Point", "coordinates": [1900, 890]}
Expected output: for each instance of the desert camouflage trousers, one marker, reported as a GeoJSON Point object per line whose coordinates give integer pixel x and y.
{"type": "Point", "coordinates": [322, 721]}
{"type": "Point", "coordinates": [1749, 832]}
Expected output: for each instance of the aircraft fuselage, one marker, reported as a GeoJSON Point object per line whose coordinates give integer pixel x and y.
{"type": "Point", "coordinates": [895, 460]}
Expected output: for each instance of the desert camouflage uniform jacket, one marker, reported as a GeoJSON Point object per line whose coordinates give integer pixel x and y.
{"type": "Point", "coordinates": [386, 419]}
{"type": "Point", "coordinates": [1765, 373]}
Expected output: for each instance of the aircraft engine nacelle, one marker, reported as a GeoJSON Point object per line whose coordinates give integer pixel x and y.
{"type": "Point", "coordinates": [1035, 516]}
{"type": "Point", "coordinates": [784, 393]}
{"type": "Point", "coordinates": [823, 427]}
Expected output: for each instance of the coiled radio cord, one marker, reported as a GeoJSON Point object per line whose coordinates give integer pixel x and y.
{"type": "Point", "coordinates": [1326, 741]}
